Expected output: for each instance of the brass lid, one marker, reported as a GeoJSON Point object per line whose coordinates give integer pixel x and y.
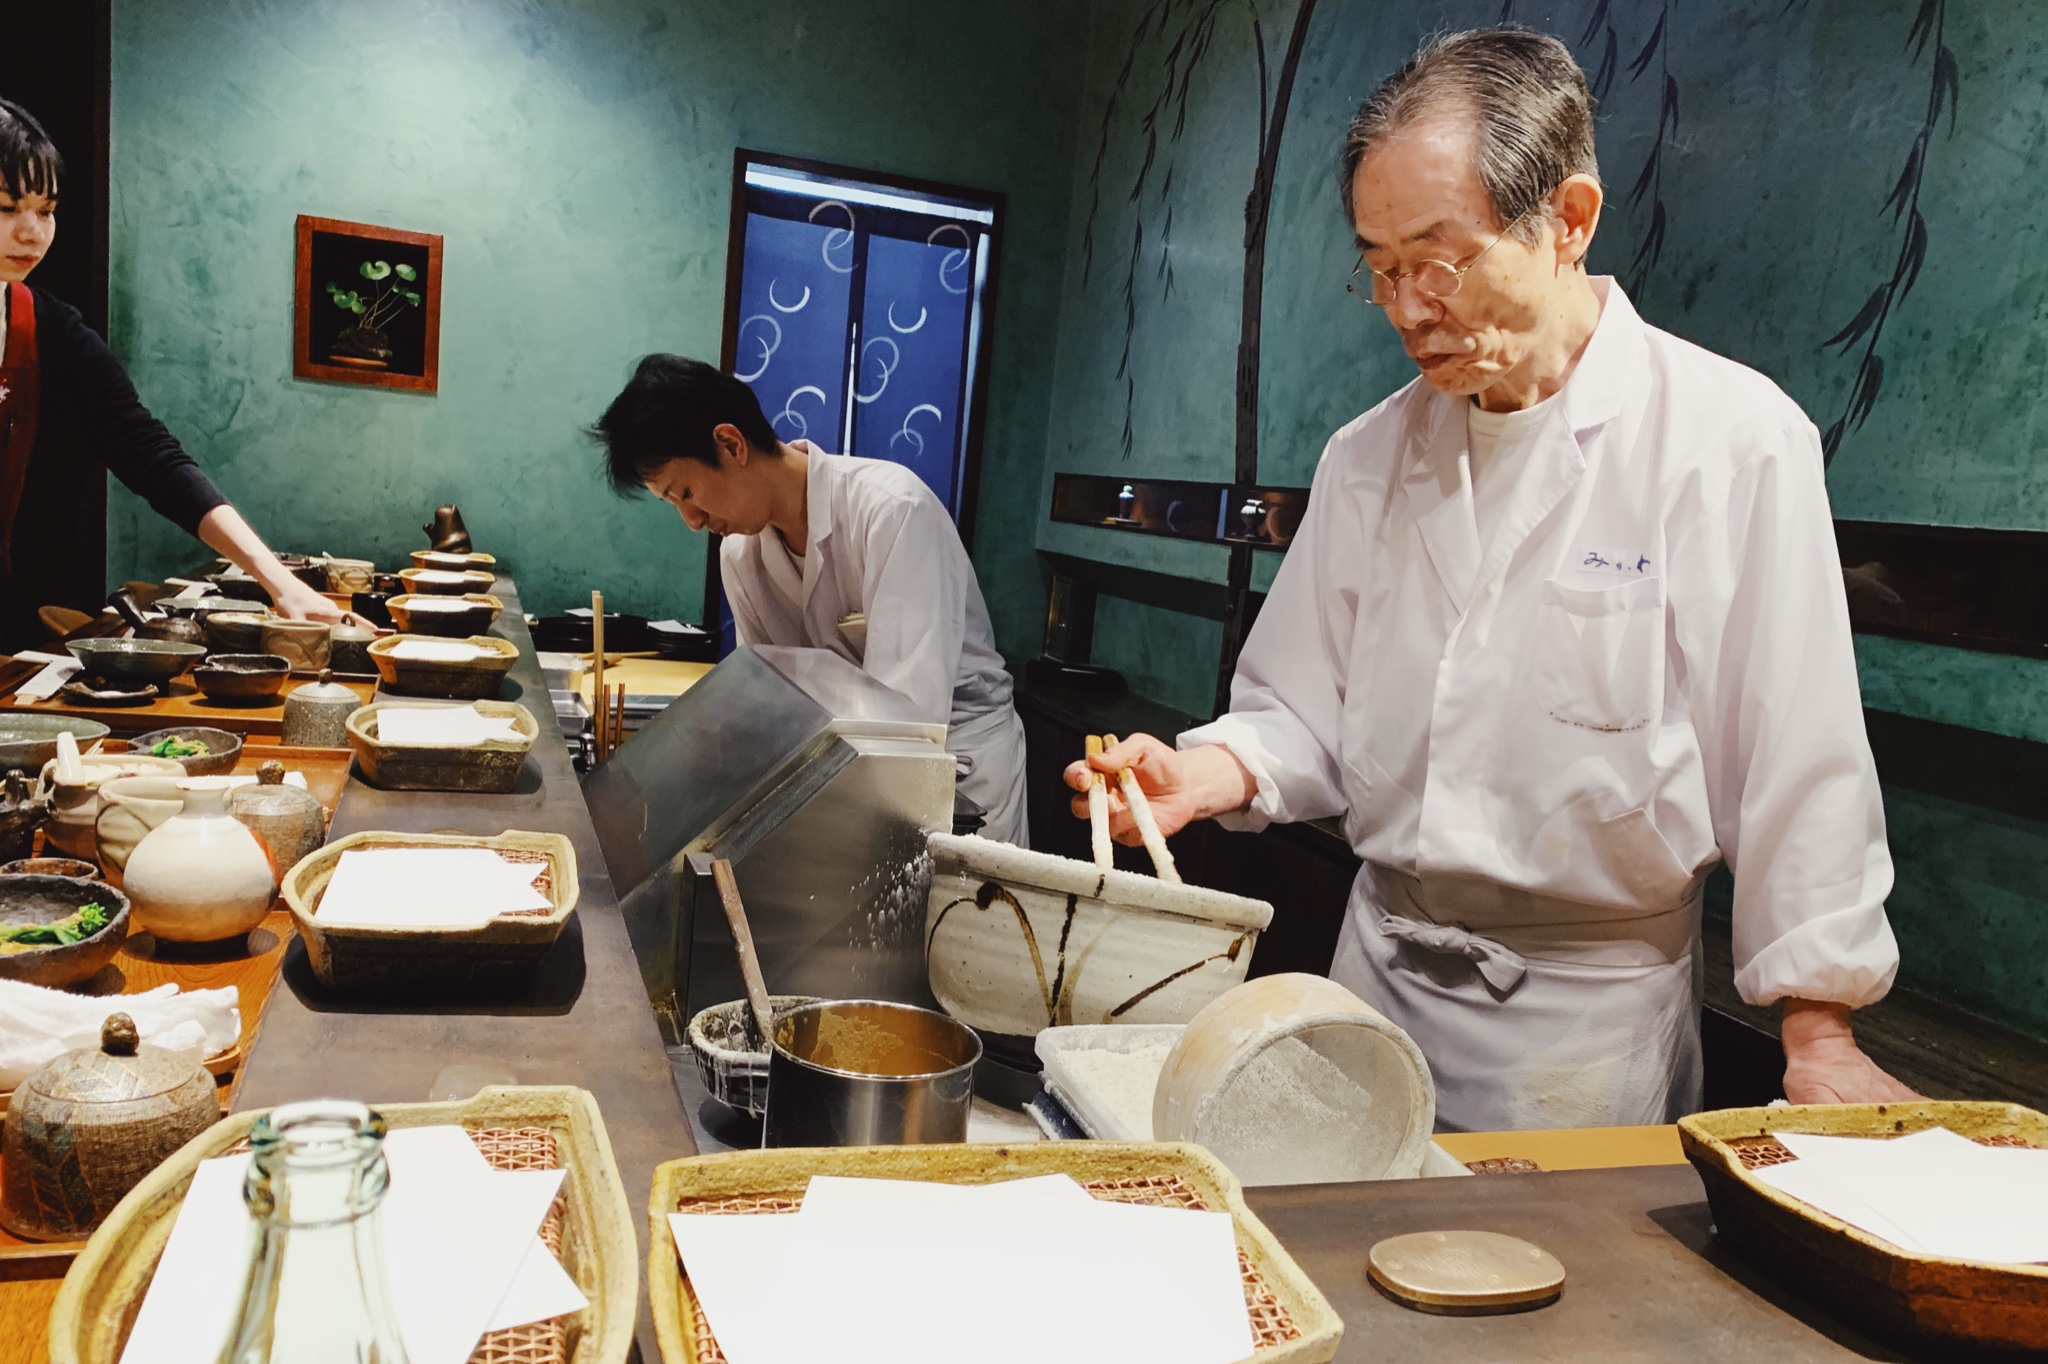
{"type": "Point", "coordinates": [1465, 1273]}
{"type": "Point", "coordinates": [120, 1069]}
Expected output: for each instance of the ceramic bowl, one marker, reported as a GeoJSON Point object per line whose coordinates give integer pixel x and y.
{"type": "Point", "coordinates": [133, 663]}
{"type": "Point", "coordinates": [445, 616]}
{"type": "Point", "coordinates": [75, 805]}
{"type": "Point", "coordinates": [446, 582]}
{"type": "Point", "coordinates": [239, 587]}
{"type": "Point", "coordinates": [1020, 940]}
{"type": "Point", "coordinates": [45, 900]}
{"type": "Point", "coordinates": [200, 608]}
{"type": "Point", "coordinates": [305, 644]}
{"type": "Point", "coordinates": [350, 575]}
{"type": "Point", "coordinates": [29, 741]}
{"type": "Point", "coordinates": [130, 810]}
{"type": "Point", "coordinates": [224, 750]}
{"type": "Point", "coordinates": [235, 632]}
{"type": "Point", "coordinates": [241, 677]}
{"type": "Point", "coordinates": [73, 867]}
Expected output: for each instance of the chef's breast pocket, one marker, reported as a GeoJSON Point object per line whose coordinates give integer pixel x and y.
{"type": "Point", "coordinates": [1600, 654]}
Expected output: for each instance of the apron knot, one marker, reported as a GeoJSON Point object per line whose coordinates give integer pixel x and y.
{"type": "Point", "coordinates": [1502, 968]}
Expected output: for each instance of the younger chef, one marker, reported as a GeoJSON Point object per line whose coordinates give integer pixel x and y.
{"type": "Point", "coordinates": [67, 409]}
{"type": "Point", "coordinates": [813, 540]}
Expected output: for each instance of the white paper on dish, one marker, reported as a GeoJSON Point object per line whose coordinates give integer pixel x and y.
{"type": "Point", "coordinates": [441, 604]}
{"type": "Point", "coordinates": [57, 670]}
{"type": "Point", "coordinates": [893, 1275]}
{"type": "Point", "coordinates": [436, 651]}
{"type": "Point", "coordinates": [1932, 1191]}
{"type": "Point", "coordinates": [439, 575]}
{"type": "Point", "coordinates": [427, 888]}
{"type": "Point", "coordinates": [442, 726]}
{"type": "Point", "coordinates": [731, 1260]}
{"type": "Point", "coordinates": [190, 1306]}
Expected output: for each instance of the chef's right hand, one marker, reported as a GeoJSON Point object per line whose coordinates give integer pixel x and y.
{"type": "Point", "coordinates": [1181, 787]}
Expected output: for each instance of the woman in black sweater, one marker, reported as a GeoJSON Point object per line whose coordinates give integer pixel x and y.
{"type": "Point", "coordinates": [67, 410]}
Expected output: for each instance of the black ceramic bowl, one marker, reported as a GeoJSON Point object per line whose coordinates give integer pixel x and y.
{"type": "Point", "coordinates": [45, 900]}
{"type": "Point", "coordinates": [223, 749]}
{"type": "Point", "coordinates": [135, 663]}
{"type": "Point", "coordinates": [241, 677]}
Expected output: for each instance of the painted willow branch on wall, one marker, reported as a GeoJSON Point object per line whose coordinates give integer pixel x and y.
{"type": "Point", "coordinates": [1903, 203]}
{"type": "Point", "coordinates": [1182, 32]}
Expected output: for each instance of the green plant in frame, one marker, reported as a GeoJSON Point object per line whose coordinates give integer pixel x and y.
{"type": "Point", "coordinates": [382, 297]}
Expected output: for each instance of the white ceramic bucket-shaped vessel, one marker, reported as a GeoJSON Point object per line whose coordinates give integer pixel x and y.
{"type": "Point", "coordinates": [1016, 940]}
{"type": "Point", "coordinates": [201, 875]}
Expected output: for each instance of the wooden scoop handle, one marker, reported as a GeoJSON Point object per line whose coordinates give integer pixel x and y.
{"type": "Point", "coordinates": [743, 943]}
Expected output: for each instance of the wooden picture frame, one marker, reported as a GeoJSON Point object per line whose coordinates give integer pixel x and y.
{"type": "Point", "coordinates": [407, 354]}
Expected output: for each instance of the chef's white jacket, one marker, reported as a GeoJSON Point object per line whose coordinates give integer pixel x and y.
{"type": "Point", "coordinates": [1539, 747]}
{"type": "Point", "coordinates": [881, 545]}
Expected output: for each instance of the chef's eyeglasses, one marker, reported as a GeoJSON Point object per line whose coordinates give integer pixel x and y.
{"type": "Point", "coordinates": [1433, 279]}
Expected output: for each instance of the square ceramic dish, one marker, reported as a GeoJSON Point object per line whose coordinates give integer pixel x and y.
{"type": "Point", "coordinates": [472, 679]}
{"type": "Point", "coordinates": [489, 768]}
{"type": "Point", "coordinates": [1101, 1116]}
{"type": "Point", "coordinates": [517, 1127]}
{"type": "Point", "coordinates": [1292, 1322]}
{"type": "Point", "coordinates": [440, 616]}
{"type": "Point", "coordinates": [499, 958]}
{"type": "Point", "coordinates": [1918, 1298]}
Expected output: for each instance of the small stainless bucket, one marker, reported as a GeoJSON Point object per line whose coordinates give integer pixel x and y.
{"type": "Point", "coordinates": [868, 1073]}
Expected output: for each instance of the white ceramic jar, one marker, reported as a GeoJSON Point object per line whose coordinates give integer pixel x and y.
{"type": "Point", "coordinates": [201, 875]}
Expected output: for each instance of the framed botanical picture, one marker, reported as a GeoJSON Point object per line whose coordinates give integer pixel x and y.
{"type": "Point", "coordinates": [368, 305]}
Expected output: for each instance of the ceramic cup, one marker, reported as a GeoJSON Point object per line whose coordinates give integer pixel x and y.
{"type": "Point", "coordinates": [130, 809]}
{"type": "Point", "coordinates": [350, 652]}
{"type": "Point", "coordinates": [350, 575]}
{"type": "Point", "coordinates": [235, 632]}
{"type": "Point", "coordinates": [305, 644]}
{"type": "Point", "coordinates": [75, 806]}
{"type": "Point", "coordinates": [201, 875]}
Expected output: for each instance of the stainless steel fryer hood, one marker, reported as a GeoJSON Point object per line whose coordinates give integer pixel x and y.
{"type": "Point", "coordinates": [820, 786]}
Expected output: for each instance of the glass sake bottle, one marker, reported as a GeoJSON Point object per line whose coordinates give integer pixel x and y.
{"type": "Point", "coordinates": [317, 1291]}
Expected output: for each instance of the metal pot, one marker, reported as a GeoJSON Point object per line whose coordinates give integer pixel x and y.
{"type": "Point", "coordinates": [869, 1073]}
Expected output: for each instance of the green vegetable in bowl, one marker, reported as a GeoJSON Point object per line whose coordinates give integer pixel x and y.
{"type": "Point", "coordinates": [180, 748]}
{"type": "Point", "coordinates": [89, 920]}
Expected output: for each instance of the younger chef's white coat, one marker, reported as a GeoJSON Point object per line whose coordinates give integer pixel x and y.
{"type": "Point", "coordinates": [882, 545]}
{"type": "Point", "coordinates": [1540, 748]}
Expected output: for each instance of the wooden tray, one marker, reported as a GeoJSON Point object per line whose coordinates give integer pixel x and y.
{"type": "Point", "coordinates": [488, 768]}
{"type": "Point", "coordinates": [474, 680]}
{"type": "Point", "coordinates": [1291, 1319]}
{"type": "Point", "coordinates": [1922, 1298]}
{"type": "Point", "coordinates": [182, 704]}
{"type": "Point", "coordinates": [96, 1307]}
{"type": "Point", "coordinates": [498, 958]}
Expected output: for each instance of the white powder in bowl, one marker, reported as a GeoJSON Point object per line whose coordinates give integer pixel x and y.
{"type": "Point", "coordinates": [1303, 1110]}
{"type": "Point", "coordinates": [1121, 1082]}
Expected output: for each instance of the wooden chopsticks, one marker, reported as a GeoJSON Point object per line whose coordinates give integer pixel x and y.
{"type": "Point", "coordinates": [1141, 813]}
{"type": "Point", "coordinates": [607, 703]}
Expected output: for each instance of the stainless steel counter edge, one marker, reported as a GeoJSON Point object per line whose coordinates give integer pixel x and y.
{"type": "Point", "coordinates": [587, 1022]}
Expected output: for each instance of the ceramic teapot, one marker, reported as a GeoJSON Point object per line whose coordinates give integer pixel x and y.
{"type": "Point", "coordinates": [201, 875]}
{"type": "Point", "coordinates": [22, 812]}
{"type": "Point", "coordinates": [316, 715]}
{"type": "Point", "coordinates": [85, 1128]}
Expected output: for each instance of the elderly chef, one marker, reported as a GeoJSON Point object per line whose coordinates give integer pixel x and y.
{"type": "Point", "coordinates": [1564, 627]}
{"type": "Point", "coordinates": [829, 552]}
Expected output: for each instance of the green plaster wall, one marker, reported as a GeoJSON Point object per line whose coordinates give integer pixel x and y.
{"type": "Point", "coordinates": [1795, 123]}
{"type": "Point", "coordinates": [576, 155]}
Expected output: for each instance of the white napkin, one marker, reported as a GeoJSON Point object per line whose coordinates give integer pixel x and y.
{"type": "Point", "coordinates": [442, 727]}
{"type": "Point", "coordinates": [39, 1025]}
{"type": "Point", "coordinates": [59, 670]}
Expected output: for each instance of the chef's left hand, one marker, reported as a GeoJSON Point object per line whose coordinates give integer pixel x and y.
{"type": "Point", "coordinates": [1823, 1064]}
{"type": "Point", "coordinates": [300, 602]}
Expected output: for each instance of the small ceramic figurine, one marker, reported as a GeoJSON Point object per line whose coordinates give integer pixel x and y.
{"type": "Point", "coordinates": [83, 1130]}
{"type": "Point", "coordinates": [446, 533]}
{"type": "Point", "coordinates": [201, 875]}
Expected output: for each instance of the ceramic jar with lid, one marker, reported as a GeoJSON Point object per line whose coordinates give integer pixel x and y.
{"type": "Point", "coordinates": [83, 1130]}
{"type": "Point", "coordinates": [201, 875]}
{"type": "Point", "coordinates": [316, 714]}
{"type": "Point", "coordinates": [290, 820]}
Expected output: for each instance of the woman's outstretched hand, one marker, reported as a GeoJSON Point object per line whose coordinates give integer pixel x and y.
{"type": "Point", "coordinates": [1181, 787]}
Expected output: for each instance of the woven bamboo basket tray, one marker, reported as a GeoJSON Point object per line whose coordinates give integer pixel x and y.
{"type": "Point", "coordinates": [1921, 1298]}
{"type": "Point", "coordinates": [475, 679]}
{"type": "Point", "coordinates": [490, 768]}
{"type": "Point", "coordinates": [499, 958]}
{"type": "Point", "coordinates": [1291, 1321]}
{"type": "Point", "coordinates": [517, 1127]}
{"type": "Point", "coordinates": [483, 613]}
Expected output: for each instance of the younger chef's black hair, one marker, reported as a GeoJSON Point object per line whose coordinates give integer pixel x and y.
{"type": "Point", "coordinates": [29, 163]}
{"type": "Point", "coordinates": [667, 412]}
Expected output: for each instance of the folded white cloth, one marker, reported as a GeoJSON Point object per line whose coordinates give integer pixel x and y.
{"type": "Point", "coordinates": [38, 1025]}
